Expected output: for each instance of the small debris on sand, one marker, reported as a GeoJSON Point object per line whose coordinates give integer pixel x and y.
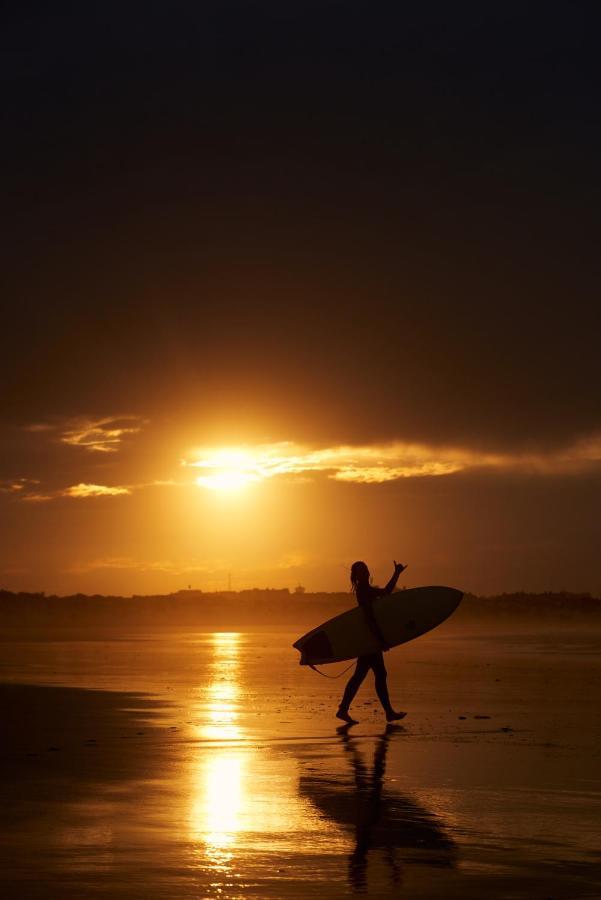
{"type": "Point", "coordinates": [462, 717]}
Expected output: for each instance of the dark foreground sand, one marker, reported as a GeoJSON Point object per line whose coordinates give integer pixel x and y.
{"type": "Point", "coordinates": [190, 766]}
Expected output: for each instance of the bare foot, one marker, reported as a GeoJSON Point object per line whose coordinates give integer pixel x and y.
{"type": "Point", "coordinates": [344, 729]}
{"type": "Point", "coordinates": [346, 717]}
{"type": "Point", "coordinates": [393, 716]}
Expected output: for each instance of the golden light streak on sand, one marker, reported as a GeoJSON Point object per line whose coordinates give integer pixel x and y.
{"type": "Point", "coordinates": [219, 710]}
{"type": "Point", "coordinates": [216, 812]}
{"type": "Point", "coordinates": [235, 803]}
{"type": "Point", "coordinates": [219, 793]}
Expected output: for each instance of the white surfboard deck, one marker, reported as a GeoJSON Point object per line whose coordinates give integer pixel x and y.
{"type": "Point", "coordinates": [402, 616]}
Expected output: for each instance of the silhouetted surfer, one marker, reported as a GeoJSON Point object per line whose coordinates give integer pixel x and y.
{"type": "Point", "coordinates": [365, 594]}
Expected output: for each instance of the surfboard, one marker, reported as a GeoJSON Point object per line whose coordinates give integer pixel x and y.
{"type": "Point", "coordinates": [401, 616]}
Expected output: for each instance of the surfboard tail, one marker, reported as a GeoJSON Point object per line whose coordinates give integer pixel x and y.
{"type": "Point", "coordinates": [315, 645]}
{"type": "Point", "coordinates": [298, 645]}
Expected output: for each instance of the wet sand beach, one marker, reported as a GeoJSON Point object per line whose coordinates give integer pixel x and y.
{"type": "Point", "coordinates": [188, 765]}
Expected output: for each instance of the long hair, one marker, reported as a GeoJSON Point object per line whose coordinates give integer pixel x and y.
{"type": "Point", "coordinates": [359, 572]}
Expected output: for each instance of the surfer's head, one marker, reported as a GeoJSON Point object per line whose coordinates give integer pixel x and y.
{"type": "Point", "coordinates": [359, 574]}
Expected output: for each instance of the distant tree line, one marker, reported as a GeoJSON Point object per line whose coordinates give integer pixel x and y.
{"type": "Point", "coordinates": [260, 607]}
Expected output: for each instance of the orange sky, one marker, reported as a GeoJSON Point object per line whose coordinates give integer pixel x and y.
{"type": "Point", "coordinates": [132, 505]}
{"type": "Point", "coordinates": [284, 288]}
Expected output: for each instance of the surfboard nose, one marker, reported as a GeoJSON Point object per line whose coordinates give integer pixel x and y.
{"type": "Point", "coordinates": [454, 597]}
{"type": "Point", "coordinates": [458, 596]}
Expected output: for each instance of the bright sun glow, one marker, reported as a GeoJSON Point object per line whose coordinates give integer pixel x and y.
{"type": "Point", "coordinates": [231, 469]}
{"type": "Point", "coordinates": [226, 481]}
{"type": "Point", "coordinates": [228, 470]}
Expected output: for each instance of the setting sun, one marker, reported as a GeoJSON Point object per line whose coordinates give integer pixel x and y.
{"type": "Point", "coordinates": [227, 470]}
{"type": "Point", "coordinates": [226, 481]}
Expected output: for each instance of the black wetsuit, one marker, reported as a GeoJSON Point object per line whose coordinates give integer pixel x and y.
{"type": "Point", "coordinates": [375, 661]}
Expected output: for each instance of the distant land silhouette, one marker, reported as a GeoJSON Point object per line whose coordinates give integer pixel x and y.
{"type": "Point", "coordinates": [261, 607]}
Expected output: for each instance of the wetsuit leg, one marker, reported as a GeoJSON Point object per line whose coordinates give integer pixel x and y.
{"type": "Point", "coordinates": [376, 662]}
{"type": "Point", "coordinates": [354, 683]}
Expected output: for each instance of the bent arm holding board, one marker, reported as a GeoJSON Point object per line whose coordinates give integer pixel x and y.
{"type": "Point", "coordinates": [366, 595]}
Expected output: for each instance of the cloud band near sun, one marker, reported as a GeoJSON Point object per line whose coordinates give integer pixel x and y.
{"type": "Point", "coordinates": [229, 469]}
{"type": "Point", "coordinates": [223, 468]}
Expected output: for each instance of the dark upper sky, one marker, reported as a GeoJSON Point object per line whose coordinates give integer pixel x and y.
{"type": "Point", "coordinates": [396, 204]}
{"type": "Point", "coordinates": [332, 221]}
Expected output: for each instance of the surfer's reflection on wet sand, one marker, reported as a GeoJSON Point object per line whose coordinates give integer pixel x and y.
{"type": "Point", "coordinates": [396, 825]}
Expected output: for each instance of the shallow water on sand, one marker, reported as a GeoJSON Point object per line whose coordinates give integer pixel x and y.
{"type": "Point", "coordinates": [190, 765]}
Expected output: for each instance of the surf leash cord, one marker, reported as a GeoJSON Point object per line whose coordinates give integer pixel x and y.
{"type": "Point", "coordinates": [323, 674]}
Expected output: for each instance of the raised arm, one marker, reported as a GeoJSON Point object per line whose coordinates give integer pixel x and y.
{"type": "Point", "coordinates": [398, 568]}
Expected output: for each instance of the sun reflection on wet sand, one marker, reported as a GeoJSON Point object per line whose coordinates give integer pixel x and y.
{"type": "Point", "coordinates": [216, 812]}
{"type": "Point", "coordinates": [218, 778]}
{"type": "Point", "coordinates": [205, 781]}
{"type": "Point", "coordinates": [219, 707]}
{"type": "Point", "coordinates": [239, 810]}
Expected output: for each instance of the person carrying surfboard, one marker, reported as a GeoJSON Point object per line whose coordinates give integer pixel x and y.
{"type": "Point", "coordinates": [365, 594]}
